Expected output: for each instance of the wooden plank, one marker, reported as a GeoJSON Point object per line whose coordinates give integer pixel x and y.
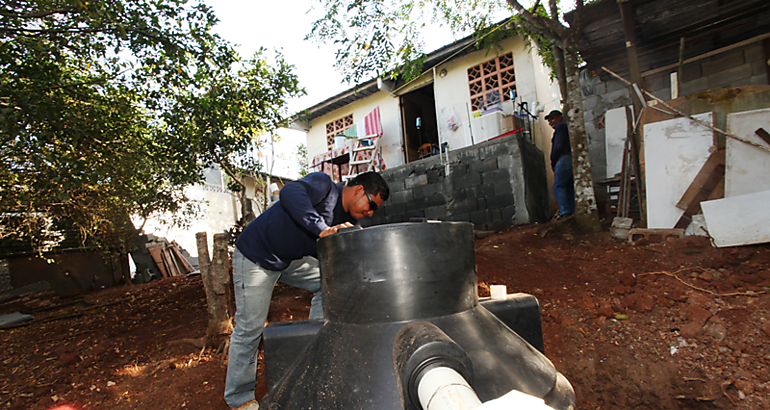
{"type": "Point", "coordinates": [763, 134]}
{"type": "Point", "coordinates": [156, 253]}
{"type": "Point", "coordinates": [715, 159]}
{"type": "Point", "coordinates": [719, 191]}
{"type": "Point", "coordinates": [686, 218]}
{"type": "Point", "coordinates": [173, 267]}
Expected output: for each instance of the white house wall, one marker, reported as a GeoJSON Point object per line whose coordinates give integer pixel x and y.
{"type": "Point", "coordinates": [390, 115]}
{"type": "Point", "coordinates": [219, 212]}
{"type": "Point", "coordinates": [452, 98]}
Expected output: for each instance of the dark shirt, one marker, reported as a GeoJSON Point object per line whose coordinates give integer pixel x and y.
{"type": "Point", "coordinates": [288, 230]}
{"type": "Point", "coordinates": [560, 143]}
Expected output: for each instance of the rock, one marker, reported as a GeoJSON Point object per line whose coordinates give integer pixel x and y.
{"type": "Point", "coordinates": [706, 276]}
{"type": "Point", "coordinates": [765, 326]}
{"type": "Point", "coordinates": [691, 330]}
{"type": "Point", "coordinates": [567, 322]}
{"type": "Point", "coordinates": [645, 303]}
{"type": "Point", "coordinates": [717, 330]}
{"type": "Point", "coordinates": [697, 314]}
{"type": "Point", "coordinates": [629, 301]}
{"type": "Point", "coordinates": [586, 303]}
{"type": "Point", "coordinates": [697, 298]}
{"type": "Point", "coordinates": [605, 311]}
{"type": "Point", "coordinates": [555, 316]}
{"type": "Point", "coordinates": [600, 320]}
{"type": "Point", "coordinates": [678, 294]}
{"type": "Point", "coordinates": [67, 359]}
{"type": "Point", "coordinates": [622, 290]}
{"type": "Point", "coordinates": [627, 279]}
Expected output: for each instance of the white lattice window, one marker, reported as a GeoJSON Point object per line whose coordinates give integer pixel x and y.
{"type": "Point", "coordinates": [491, 81]}
{"type": "Point", "coordinates": [335, 127]}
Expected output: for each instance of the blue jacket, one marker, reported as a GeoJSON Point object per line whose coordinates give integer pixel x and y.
{"type": "Point", "coordinates": [288, 230]}
{"type": "Point", "coordinates": [560, 143]}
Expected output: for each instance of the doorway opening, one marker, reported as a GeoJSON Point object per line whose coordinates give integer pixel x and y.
{"type": "Point", "coordinates": [420, 126]}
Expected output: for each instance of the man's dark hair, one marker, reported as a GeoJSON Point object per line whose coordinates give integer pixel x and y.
{"type": "Point", "coordinates": [373, 183]}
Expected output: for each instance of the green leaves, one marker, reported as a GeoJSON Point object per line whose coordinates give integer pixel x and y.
{"type": "Point", "coordinates": [376, 37]}
{"type": "Point", "coordinates": [110, 108]}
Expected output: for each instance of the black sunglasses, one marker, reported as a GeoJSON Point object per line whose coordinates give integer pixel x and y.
{"type": "Point", "coordinates": [372, 204]}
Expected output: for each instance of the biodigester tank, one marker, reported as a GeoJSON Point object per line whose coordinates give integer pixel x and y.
{"type": "Point", "coordinates": [399, 300]}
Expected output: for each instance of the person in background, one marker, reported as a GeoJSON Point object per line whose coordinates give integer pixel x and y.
{"type": "Point", "coordinates": [281, 245]}
{"type": "Point", "coordinates": [561, 163]}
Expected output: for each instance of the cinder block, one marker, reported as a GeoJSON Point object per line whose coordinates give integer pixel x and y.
{"type": "Point", "coordinates": [759, 80]}
{"type": "Point", "coordinates": [695, 86]}
{"type": "Point", "coordinates": [395, 209]}
{"type": "Point", "coordinates": [508, 212]}
{"type": "Point", "coordinates": [590, 102]}
{"type": "Point", "coordinates": [415, 181]}
{"type": "Point", "coordinates": [464, 207]}
{"type": "Point", "coordinates": [500, 189]}
{"type": "Point", "coordinates": [722, 62]}
{"type": "Point", "coordinates": [400, 197]}
{"type": "Point", "coordinates": [434, 175]}
{"type": "Point", "coordinates": [641, 236]}
{"type": "Point", "coordinates": [499, 176]}
{"type": "Point", "coordinates": [437, 213]}
{"type": "Point", "coordinates": [758, 67]}
{"type": "Point", "coordinates": [616, 97]}
{"type": "Point", "coordinates": [487, 190]}
{"type": "Point", "coordinates": [479, 217]}
{"type": "Point", "coordinates": [490, 164]}
{"type": "Point", "coordinates": [500, 201]}
{"type": "Point", "coordinates": [437, 200]}
{"type": "Point", "coordinates": [691, 72]}
{"type": "Point", "coordinates": [734, 77]}
{"type": "Point", "coordinates": [419, 203]}
{"type": "Point", "coordinates": [505, 162]}
{"type": "Point", "coordinates": [754, 52]}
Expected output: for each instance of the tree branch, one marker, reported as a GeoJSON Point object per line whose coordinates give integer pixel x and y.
{"type": "Point", "coordinates": [550, 24]}
{"type": "Point", "coordinates": [35, 15]}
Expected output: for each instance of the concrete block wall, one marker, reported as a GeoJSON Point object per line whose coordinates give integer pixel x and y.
{"type": "Point", "coordinates": [740, 67]}
{"type": "Point", "coordinates": [494, 184]}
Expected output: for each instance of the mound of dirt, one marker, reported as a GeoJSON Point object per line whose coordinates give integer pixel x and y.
{"type": "Point", "coordinates": [677, 325]}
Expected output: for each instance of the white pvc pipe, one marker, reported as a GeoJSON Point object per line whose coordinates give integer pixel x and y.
{"type": "Point", "coordinates": [444, 389]}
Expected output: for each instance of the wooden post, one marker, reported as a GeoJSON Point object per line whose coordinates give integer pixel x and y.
{"type": "Point", "coordinates": [216, 282]}
{"type": "Point", "coordinates": [627, 14]}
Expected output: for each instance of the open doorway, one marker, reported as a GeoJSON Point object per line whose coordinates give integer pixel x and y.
{"type": "Point", "coordinates": [420, 104]}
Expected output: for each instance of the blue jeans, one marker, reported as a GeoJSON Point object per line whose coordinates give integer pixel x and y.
{"type": "Point", "coordinates": [253, 288]}
{"type": "Point", "coordinates": [564, 185]}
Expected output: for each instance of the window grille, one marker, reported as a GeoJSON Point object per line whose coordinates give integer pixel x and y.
{"type": "Point", "coordinates": [491, 80]}
{"type": "Point", "coordinates": [335, 127]}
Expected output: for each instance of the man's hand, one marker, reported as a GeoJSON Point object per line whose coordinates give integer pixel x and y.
{"type": "Point", "coordinates": [333, 229]}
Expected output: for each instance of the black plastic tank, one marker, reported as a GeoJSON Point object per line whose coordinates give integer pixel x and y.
{"type": "Point", "coordinates": [398, 299]}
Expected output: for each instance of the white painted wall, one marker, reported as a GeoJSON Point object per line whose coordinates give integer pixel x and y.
{"type": "Point", "coordinates": [747, 167]}
{"type": "Point", "coordinates": [616, 129]}
{"type": "Point", "coordinates": [675, 151]}
{"type": "Point", "coordinates": [390, 115]}
{"type": "Point", "coordinates": [452, 98]}
{"type": "Point", "coordinates": [220, 211]}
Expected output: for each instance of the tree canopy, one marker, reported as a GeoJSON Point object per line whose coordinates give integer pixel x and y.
{"type": "Point", "coordinates": [110, 108]}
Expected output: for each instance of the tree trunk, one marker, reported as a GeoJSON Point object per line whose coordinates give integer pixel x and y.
{"type": "Point", "coordinates": [216, 282]}
{"type": "Point", "coordinates": [586, 211]}
{"type": "Point", "coordinates": [561, 76]}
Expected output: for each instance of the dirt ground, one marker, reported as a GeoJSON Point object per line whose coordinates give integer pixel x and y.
{"type": "Point", "coordinates": [676, 325]}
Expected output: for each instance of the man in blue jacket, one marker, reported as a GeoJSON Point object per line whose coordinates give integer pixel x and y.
{"type": "Point", "coordinates": [561, 163]}
{"type": "Point", "coordinates": [281, 245]}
